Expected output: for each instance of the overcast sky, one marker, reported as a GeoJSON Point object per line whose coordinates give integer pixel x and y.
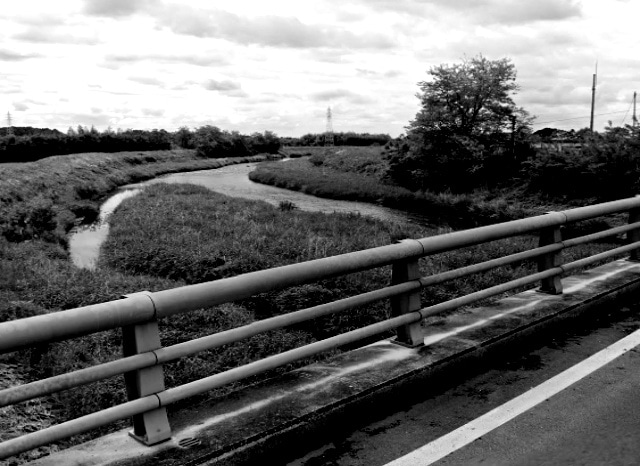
{"type": "Point", "coordinates": [256, 65]}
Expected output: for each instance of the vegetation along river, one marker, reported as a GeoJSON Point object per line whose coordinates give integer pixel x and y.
{"type": "Point", "coordinates": [232, 180]}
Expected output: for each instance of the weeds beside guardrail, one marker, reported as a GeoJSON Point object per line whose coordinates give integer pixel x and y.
{"type": "Point", "coordinates": [137, 314]}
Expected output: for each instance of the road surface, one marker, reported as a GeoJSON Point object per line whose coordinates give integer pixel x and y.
{"type": "Point", "coordinates": [573, 400]}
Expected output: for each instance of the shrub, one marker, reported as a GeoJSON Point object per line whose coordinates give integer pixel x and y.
{"type": "Point", "coordinates": [287, 206]}
{"type": "Point", "coordinates": [603, 168]}
{"type": "Point", "coordinates": [212, 142]}
{"type": "Point", "coordinates": [35, 218]}
{"type": "Point", "coordinates": [316, 160]}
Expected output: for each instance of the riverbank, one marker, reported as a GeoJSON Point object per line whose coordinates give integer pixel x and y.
{"type": "Point", "coordinates": [46, 198]}
{"type": "Point", "coordinates": [39, 202]}
{"type": "Point", "coordinates": [172, 235]}
{"type": "Point", "coordinates": [190, 234]}
{"type": "Point", "coordinates": [357, 174]}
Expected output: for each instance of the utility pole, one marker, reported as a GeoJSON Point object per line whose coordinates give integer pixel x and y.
{"type": "Point", "coordinates": [593, 97]}
{"type": "Point", "coordinates": [635, 120]}
{"type": "Point", "coordinates": [513, 136]}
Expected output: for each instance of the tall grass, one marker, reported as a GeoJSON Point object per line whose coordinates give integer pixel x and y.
{"type": "Point", "coordinates": [187, 233]}
{"type": "Point", "coordinates": [39, 202]}
{"type": "Point", "coordinates": [359, 179]}
{"type": "Point", "coordinates": [46, 198]}
{"type": "Point", "coordinates": [171, 235]}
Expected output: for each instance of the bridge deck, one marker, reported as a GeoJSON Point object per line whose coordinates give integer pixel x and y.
{"type": "Point", "coordinates": [284, 415]}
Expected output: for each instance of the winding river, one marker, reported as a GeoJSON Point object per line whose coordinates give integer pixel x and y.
{"type": "Point", "coordinates": [232, 180]}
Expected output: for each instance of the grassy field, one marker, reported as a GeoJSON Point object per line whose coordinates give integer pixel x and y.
{"type": "Point", "coordinates": [215, 236]}
{"type": "Point", "coordinates": [356, 174]}
{"type": "Point", "coordinates": [39, 202]}
{"type": "Point", "coordinates": [46, 198]}
{"type": "Point", "coordinates": [171, 235]}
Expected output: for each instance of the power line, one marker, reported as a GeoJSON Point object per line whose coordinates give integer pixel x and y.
{"type": "Point", "coordinates": [576, 118]}
{"type": "Point", "coordinates": [625, 115]}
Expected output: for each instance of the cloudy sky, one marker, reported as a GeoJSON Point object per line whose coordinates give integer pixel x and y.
{"type": "Point", "coordinates": [256, 65]}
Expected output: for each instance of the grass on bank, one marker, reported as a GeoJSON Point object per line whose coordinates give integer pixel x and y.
{"type": "Point", "coordinates": [39, 202]}
{"type": "Point", "coordinates": [356, 174]}
{"type": "Point", "coordinates": [188, 233]}
{"type": "Point", "coordinates": [46, 198]}
{"type": "Point", "coordinates": [202, 236]}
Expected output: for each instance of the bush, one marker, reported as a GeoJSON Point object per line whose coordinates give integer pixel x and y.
{"type": "Point", "coordinates": [316, 160]}
{"type": "Point", "coordinates": [442, 161]}
{"type": "Point", "coordinates": [212, 142]}
{"type": "Point", "coordinates": [35, 218]}
{"type": "Point", "coordinates": [602, 168]}
{"type": "Point", "coordinates": [287, 206]}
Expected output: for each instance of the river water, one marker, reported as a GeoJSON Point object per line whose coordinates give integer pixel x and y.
{"type": "Point", "coordinates": [232, 180]}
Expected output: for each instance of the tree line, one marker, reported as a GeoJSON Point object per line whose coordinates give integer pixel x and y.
{"type": "Point", "coordinates": [26, 144]}
{"type": "Point", "coordinates": [348, 138]}
{"type": "Point", "coordinates": [29, 144]}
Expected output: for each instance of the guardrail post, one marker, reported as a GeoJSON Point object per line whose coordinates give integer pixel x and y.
{"type": "Point", "coordinates": [634, 235]}
{"type": "Point", "coordinates": [153, 426]}
{"type": "Point", "coordinates": [403, 271]}
{"type": "Point", "coordinates": [551, 285]}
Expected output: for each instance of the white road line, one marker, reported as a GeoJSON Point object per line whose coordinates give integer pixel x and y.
{"type": "Point", "coordinates": [475, 429]}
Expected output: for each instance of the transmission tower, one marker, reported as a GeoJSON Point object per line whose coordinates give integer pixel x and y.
{"type": "Point", "coordinates": [328, 135]}
{"type": "Point", "coordinates": [9, 128]}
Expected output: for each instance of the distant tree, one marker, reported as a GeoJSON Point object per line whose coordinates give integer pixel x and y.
{"type": "Point", "coordinates": [467, 125]}
{"type": "Point", "coordinates": [212, 142]}
{"type": "Point", "coordinates": [471, 98]}
{"type": "Point", "coordinates": [268, 142]}
{"type": "Point", "coordinates": [184, 138]}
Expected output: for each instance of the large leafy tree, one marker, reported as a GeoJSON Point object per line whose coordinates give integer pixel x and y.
{"type": "Point", "coordinates": [467, 121]}
{"type": "Point", "coordinates": [470, 98]}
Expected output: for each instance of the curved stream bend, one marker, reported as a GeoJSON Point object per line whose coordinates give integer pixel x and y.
{"type": "Point", "coordinates": [232, 180]}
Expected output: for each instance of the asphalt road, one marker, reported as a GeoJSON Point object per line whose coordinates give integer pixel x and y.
{"type": "Point", "coordinates": [594, 420]}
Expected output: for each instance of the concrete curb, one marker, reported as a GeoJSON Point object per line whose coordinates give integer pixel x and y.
{"type": "Point", "coordinates": [282, 417]}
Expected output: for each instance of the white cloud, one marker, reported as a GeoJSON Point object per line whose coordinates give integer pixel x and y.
{"type": "Point", "coordinates": [147, 80]}
{"type": "Point", "coordinates": [223, 85]}
{"type": "Point", "coordinates": [44, 36]}
{"type": "Point", "coordinates": [273, 31]}
{"type": "Point", "coordinates": [117, 8]}
{"type": "Point", "coordinates": [208, 59]}
{"type": "Point", "coordinates": [277, 65]}
{"type": "Point", "coordinates": [20, 106]}
{"type": "Point", "coordinates": [10, 55]}
{"type": "Point", "coordinates": [341, 95]}
{"type": "Point", "coordinates": [156, 112]}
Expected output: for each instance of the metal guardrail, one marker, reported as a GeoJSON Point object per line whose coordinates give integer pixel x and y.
{"type": "Point", "coordinates": [144, 356]}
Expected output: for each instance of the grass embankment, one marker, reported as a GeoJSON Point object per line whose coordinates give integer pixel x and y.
{"type": "Point", "coordinates": [187, 233]}
{"type": "Point", "coordinates": [46, 198]}
{"type": "Point", "coordinates": [39, 202]}
{"type": "Point", "coordinates": [170, 235]}
{"type": "Point", "coordinates": [357, 174]}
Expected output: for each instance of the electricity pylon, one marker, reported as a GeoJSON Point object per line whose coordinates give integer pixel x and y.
{"type": "Point", "coordinates": [9, 128]}
{"type": "Point", "coordinates": [328, 135]}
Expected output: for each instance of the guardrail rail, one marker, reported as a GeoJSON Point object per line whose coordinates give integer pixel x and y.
{"type": "Point", "coordinates": [144, 356]}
